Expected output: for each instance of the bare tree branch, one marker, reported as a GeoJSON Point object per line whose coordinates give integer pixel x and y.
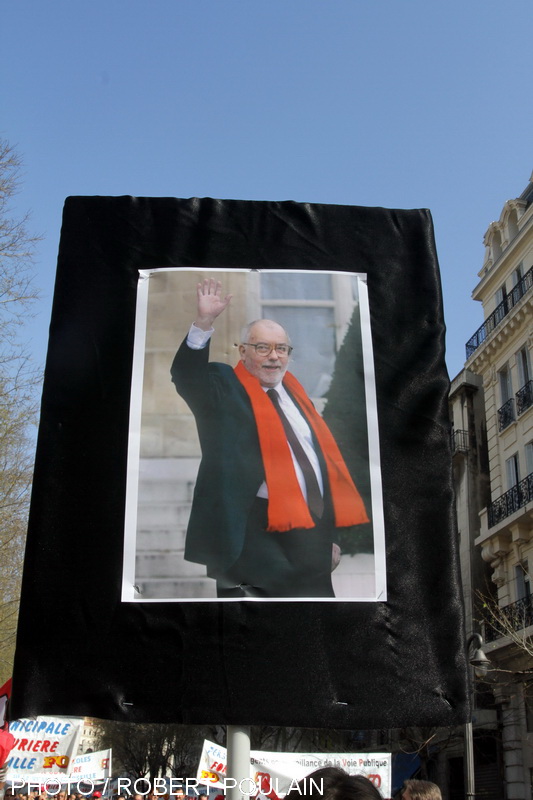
{"type": "Point", "coordinates": [19, 383]}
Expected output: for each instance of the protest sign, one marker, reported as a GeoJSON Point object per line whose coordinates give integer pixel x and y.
{"type": "Point", "coordinates": [273, 774]}
{"type": "Point", "coordinates": [44, 748]}
{"type": "Point", "coordinates": [348, 661]}
{"type": "Point", "coordinates": [91, 766]}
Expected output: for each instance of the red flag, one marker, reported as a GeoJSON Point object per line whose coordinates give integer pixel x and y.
{"type": "Point", "coordinates": [7, 742]}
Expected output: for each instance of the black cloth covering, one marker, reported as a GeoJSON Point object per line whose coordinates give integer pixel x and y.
{"type": "Point", "coordinates": [80, 651]}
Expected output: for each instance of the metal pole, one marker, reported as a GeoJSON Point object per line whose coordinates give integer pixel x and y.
{"type": "Point", "coordinates": [469, 758]}
{"type": "Point", "coordinates": [480, 664]}
{"type": "Point", "coordinates": [238, 761]}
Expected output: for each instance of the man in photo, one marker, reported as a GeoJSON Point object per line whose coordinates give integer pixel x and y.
{"type": "Point", "coordinates": [272, 490]}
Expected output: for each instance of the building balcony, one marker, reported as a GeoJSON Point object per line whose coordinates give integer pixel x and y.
{"type": "Point", "coordinates": [459, 440]}
{"type": "Point", "coordinates": [510, 502]}
{"type": "Point", "coordinates": [506, 414]}
{"type": "Point", "coordinates": [499, 313]}
{"type": "Point", "coordinates": [524, 398]}
{"type": "Point", "coordinates": [514, 617]}
{"type": "Point", "coordinates": [505, 524]}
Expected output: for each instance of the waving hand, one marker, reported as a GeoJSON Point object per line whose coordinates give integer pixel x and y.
{"type": "Point", "coordinates": [210, 303]}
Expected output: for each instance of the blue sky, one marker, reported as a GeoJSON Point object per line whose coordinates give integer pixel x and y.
{"type": "Point", "coordinates": [395, 103]}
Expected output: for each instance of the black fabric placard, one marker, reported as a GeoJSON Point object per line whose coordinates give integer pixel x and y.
{"type": "Point", "coordinates": [80, 650]}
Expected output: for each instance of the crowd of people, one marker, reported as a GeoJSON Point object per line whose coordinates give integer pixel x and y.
{"type": "Point", "coordinates": [328, 783]}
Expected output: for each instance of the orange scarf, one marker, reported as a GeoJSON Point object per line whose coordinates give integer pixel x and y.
{"type": "Point", "coordinates": [287, 508]}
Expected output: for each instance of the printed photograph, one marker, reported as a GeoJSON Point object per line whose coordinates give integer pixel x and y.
{"type": "Point", "coordinates": [253, 458]}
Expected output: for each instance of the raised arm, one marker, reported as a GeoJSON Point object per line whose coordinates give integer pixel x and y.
{"type": "Point", "coordinates": [189, 370]}
{"type": "Point", "coordinates": [210, 303]}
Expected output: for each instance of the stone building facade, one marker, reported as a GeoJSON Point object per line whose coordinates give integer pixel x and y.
{"type": "Point", "coordinates": [492, 408]}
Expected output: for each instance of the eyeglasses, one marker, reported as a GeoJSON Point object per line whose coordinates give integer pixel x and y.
{"type": "Point", "coordinates": [264, 349]}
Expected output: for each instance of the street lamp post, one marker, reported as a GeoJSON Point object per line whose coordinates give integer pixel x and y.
{"type": "Point", "coordinates": [480, 663]}
{"type": "Point", "coordinates": [238, 761]}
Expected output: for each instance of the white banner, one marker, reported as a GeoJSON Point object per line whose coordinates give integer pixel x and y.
{"type": "Point", "coordinates": [91, 766]}
{"type": "Point", "coordinates": [274, 773]}
{"type": "Point", "coordinates": [44, 748]}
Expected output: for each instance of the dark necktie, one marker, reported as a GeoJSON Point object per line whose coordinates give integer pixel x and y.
{"type": "Point", "coordinates": [314, 496]}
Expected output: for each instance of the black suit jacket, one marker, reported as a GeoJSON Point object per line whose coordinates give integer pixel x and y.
{"type": "Point", "coordinates": [231, 470]}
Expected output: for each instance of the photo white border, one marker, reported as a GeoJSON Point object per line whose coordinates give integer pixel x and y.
{"type": "Point", "coordinates": [129, 590]}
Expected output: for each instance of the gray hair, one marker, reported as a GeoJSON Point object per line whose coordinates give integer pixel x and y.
{"type": "Point", "coordinates": [245, 332]}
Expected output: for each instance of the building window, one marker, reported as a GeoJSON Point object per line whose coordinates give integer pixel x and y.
{"type": "Point", "coordinates": [505, 384]}
{"type": "Point", "coordinates": [524, 396]}
{"type": "Point", "coordinates": [524, 369]}
{"type": "Point", "coordinates": [501, 294]}
{"type": "Point", "coordinates": [506, 411]}
{"type": "Point", "coordinates": [517, 290]}
{"type": "Point", "coordinates": [315, 308]}
{"type": "Point", "coordinates": [529, 457]}
{"type": "Point", "coordinates": [517, 274]}
{"type": "Point", "coordinates": [496, 246]}
{"type": "Point", "coordinates": [501, 307]}
{"type": "Point", "coordinates": [512, 225]}
{"type": "Point", "coordinates": [512, 471]}
{"type": "Point", "coordinates": [523, 588]}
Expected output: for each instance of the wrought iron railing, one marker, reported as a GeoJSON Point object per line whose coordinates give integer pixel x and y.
{"type": "Point", "coordinates": [511, 501]}
{"type": "Point", "coordinates": [500, 312]}
{"type": "Point", "coordinates": [506, 414]}
{"type": "Point", "coordinates": [459, 441]}
{"type": "Point", "coordinates": [524, 398]}
{"type": "Point", "coordinates": [514, 617]}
